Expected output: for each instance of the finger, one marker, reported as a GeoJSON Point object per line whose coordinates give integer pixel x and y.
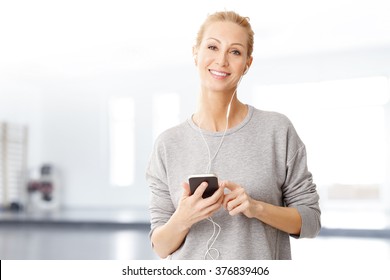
{"type": "Point", "coordinates": [215, 197]}
{"type": "Point", "coordinates": [239, 209]}
{"type": "Point", "coordinates": [186, 189]}
{"type": "Point", "coordinates": [235, 202]}
{"type": "Point", "coordinates": [235, 211]}
{"type": "Point", "coordinates": [229, 197]}
{"type": "Point", "coordinates": [220, 200]}
{"type": "Point", "coordinates": [210, 210]}
{"type": "Point", "coordinates": [203, 212]}
{"type": "Point", "coordinates": [200, 190]}
{"type": "Point", "coordinates": [213, 202]}
{"type": "Point", "coordinates": [231, 186]}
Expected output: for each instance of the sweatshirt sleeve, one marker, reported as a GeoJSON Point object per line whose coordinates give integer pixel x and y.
{"type": "Point", "coordinates": [299, 191]}
{"type": "Point", "coordinates": [161, 207]}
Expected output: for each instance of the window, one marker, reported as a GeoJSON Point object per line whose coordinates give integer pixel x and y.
{"type": "Point", "coordinates": [122, 131]}
{"type": "Point", "coordinates": [122, 141]}
{"type": "Point", "coordinates": [343, 126]}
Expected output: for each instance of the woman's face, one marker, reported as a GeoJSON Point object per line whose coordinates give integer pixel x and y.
{"type": "Point", "coordinates": [221, 57]}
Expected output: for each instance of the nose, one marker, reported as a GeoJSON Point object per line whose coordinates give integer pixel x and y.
{"type": "Point", "coordinates": [222, 59]}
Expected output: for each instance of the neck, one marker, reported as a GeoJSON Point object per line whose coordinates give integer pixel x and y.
{"type": "Point", "coordinates": [211, 113]}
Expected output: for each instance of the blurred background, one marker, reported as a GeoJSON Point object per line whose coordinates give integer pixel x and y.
{"type": "Point", "coordinates": [86, 87]}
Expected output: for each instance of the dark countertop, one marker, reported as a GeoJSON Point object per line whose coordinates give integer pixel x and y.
{"type": "Point", "coordinates": [113, 217]}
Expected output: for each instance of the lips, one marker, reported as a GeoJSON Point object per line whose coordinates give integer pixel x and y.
{"type": "Point", "coordinates": [219, 74]}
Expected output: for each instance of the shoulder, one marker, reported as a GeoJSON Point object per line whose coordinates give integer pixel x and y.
{"type": "Point", "coordinates": [276, 125]}
{"type": "Point", "coordinates": [271, 118]}
{"type": "Point", "coordinates": [173, 134]}
{"type": "Point", "coordinates": [172, 142]}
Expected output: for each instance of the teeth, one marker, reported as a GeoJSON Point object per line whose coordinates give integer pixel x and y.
{"type": "Point", "coordinates": [218, 73]}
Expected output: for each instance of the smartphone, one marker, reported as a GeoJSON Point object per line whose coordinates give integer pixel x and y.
{"type": "Point", "coordinates": [196, 180]}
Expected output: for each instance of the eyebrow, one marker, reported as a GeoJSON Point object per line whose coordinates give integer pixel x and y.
{"type": "Point", "coordinates": [212, 38]}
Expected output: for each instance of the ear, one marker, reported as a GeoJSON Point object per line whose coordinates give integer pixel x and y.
{"type": "Point", "coordinates": [248, 64]}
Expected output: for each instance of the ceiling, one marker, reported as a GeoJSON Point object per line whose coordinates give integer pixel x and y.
{"type": "Point", "coordinates": [43, 38]}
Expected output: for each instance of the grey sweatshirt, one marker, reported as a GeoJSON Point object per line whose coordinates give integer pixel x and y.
{"type": "Point", "coordinates": [264, 155]}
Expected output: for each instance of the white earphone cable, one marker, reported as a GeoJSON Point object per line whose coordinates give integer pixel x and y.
{"type": "Point", "coordinates": [212, 239]}
{"type": "Point", "coordinates": [216, 226]}
{"type": "Point", "coordinates": [223, 136]}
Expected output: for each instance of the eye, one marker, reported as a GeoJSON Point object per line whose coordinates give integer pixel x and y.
{"type": "Point", "coordinates": [236, 52]}
{"type": "Point", "coordinates": [212, 47]}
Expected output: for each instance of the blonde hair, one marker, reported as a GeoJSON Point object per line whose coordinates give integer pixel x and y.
{"type": "Point", "coordinates": [228, 16]}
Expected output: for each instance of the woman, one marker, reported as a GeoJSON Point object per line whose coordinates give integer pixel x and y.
{"type": "Point", "coordinates": [265, 194]}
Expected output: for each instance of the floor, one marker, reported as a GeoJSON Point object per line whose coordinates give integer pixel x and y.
{"type": "Point", "coordinates": [78, 235]}
{"type": "Point", "coordinates": [73, 242]}
{"type": "Point", "coordinates": [103, 243]}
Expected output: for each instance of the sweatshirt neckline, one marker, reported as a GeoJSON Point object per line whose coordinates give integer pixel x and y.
{"type": "Point", "coordinates": [229, 131]}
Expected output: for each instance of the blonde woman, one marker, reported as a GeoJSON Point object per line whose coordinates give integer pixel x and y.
{"type": "Point", "coordinates": [266, 193]}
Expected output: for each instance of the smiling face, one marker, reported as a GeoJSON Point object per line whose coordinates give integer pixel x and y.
{"type": "Point", "coordinates": [222, 57]}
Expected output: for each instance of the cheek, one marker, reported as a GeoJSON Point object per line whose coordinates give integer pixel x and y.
{"type": "Point", "coordinates": [238, 64]}
{"type": "Point", "coordinates": [205, 61]}
{"type": "Point", "coordinates": [206, 57]}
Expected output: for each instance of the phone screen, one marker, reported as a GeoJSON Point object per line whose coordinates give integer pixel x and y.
{"type": "Point", "coordinates": [211, 179]}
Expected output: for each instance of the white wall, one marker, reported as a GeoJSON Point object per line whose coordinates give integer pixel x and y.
{"type": "Point", "coordinates": [75, 133]}
{"type": "Point", "coordinates": [68, 117]}
{"type": "Point", "coordinates": [60, 63]}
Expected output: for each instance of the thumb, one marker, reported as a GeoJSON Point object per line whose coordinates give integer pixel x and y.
{"type": "Point", "coordinates": [186, 190]}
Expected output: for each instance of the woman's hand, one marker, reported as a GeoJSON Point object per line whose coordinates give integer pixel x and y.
{"type": "Point", "coordinates": [193, 208]}
{"type": "Point", "coordinates": [167, 238]}
{"type": "Point", "coordinates": [238, 201]}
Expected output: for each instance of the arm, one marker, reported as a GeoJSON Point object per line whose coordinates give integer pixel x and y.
{"type": "Point", "coordinates": [300, 217]}
{"type": "Point", "coordinates": [169, 237]}
{"type": "Point", "coordinates": [286, 219]}
{"type": "Point", "coordinates": [170, 222]}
